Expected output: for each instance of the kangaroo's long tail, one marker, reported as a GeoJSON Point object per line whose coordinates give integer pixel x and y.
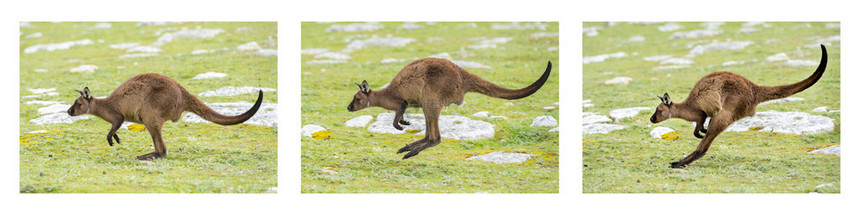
{"type": "Point", "coordinates": [198, 107]}
{"type": "Point", "coordinates": [766, 93]}
{"type": "Point", "coordinates": [488, 88]}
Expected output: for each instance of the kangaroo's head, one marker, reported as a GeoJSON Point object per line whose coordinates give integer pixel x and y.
{"type": "Point", "coordinates": [82, 103]}
{"type": "Point", "coordinates": [361, 99]}
{"type": "Point", "coordinates": [662, 112]}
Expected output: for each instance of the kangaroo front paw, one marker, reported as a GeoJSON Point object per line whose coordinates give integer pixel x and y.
{"type": "Point", "coordinates": [398, 127]}
{"type": "Point", "coordinates": [116, 137]}
{"type": "Point", "coordinates": [404, 122]}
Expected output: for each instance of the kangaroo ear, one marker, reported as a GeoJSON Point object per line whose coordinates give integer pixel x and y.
{"type": "Point", "coordinates": [666, 99]}
{"type": "Point", "coordinates": [364, 88]}
{"type": "Point", "coordinates": [86, 93]}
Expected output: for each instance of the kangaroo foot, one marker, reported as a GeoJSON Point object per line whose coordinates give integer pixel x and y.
{"type": "Point", "coordinates": [677, 164]}
{"type": "Point", "coordinates": [151, 155]}
{"type": "Point", "coordinates": [411, 146]}
{"type": "Point", "coordinates": [414, 151]}
{"type": "Point", "coordinates": [404, 122]}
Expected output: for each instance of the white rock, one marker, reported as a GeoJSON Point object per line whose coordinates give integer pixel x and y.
{"type": "Point", "coordinates": [391, 60]}
{"type": "Point", "coordinates": [603, 57]}
{"type": "Point", "coordinates": [731, 45]}
{"type": "Point", "coordinates": [387, 41]}
{"type": "Point", "coordinates": [547, 121]}
{"type": "Point", "coordinates": [799, 123]}
{"type": "Point", "coordinates": [590, 31]}
{"type": "Point", "coordinates": [209, 75]}
{"type": "Point", "coordinates": [787, 99]}
{"type": "Point", "coordinates": [481, 114]}
{"type": "Point", "coordinates": [266, 52]}
{"type": "Point", "coordinates": [618, 80]}
{"type": "Point", "coordinates": [729, 63]}
{"type": "Point", "coordinates": [370, 26]}
{"type": "Point", "coordinates": [501, 157]}
{"type": "Point", "coordinates": [637, 38]}
{"type": "Point", "coordinates": [42, 90]}
{"type": "Point", "coordinates": [694, 34]}
{"type": "Point", "coordinates": [325, 61]}
{"type": "Point", "coordinates": [37, 102]}
{"type": "Point", "coordinates": [450, 126]}
{"type": "Point", "coordinates": [831, 150]}
{"type": "Point", "coordinates": [498, 117]}
{"type": "Point", "coordinates": [34, 35]}
{"type": "Point", "coordinates": [411, 26]}
{"type": "Point", "coordinates": [102, 25]}
{"type": "Point", "coordinates": [56, 108]}
{"type": "Point", "coordinates": [777, 57]}
{"type": "Point", "coordinates": [820, 109]}
{"type": "Point", "coordinates": [40, 70]}
{"type": "Point", "coordinates": [712, 25]}
{"type": "Point", "coordinates": [308, 130]}
{"type": "Point", "coordinates": [748, 30]}
{"type": "Point", "coordinates": [84, 68]}
{"type": "Point", "coordinates": [658, 132]}
{"type": "Point", "coordinates": [545, 34]}
{"type": "Point", "coordinates": [248, 46]}
{"type": "Point", "coordinates": [469, 64]}
{"type": "Point", "coordinates": [626, 112]}
{"type": "Point", "coordinates": [267, 115]}
{"type": "Point", "coordinates": [671, 67]}
{"type": "Point", "coordinates": [516, 25]}
{"type": "Point", "coordinates": [56, 46]}
{"type": "Point", "coordinates": [680, 61]}
{"type": "Point", "coordinates": [592, 119]}
{"type": "Point", "coordinates": [123, 45]}
{"type": "Point", "coordinates": [801, 63]}
{"type": "Point", "coordinates": [232, 91]}
{"type": "Point", "coordinates": [600, 128]}
{"type": "Point", "coordinates": [832, 25]}
{"type": "Point", "coordinates": [145, 49]}
{"type": "Point", "coordinates": [57, 118]}
{"type": "Point", "coordinates": [137, 55]}
{"type": "Point", "coordinates": [491, 43]}
{"type": "Point", "coordinates": [333, 55]}
{"type": "Point", "coordinates": [443, 55]}
{"type": "Point", "coordinates": [195, 33]}
{"type": "Point", "coordinates": [669, 27]}
{"type": "Point", "coordinates": [313, 50]}
{"type": "Point", "coordinates": [553, 129]}
{"type": "Point", "coordinates": [360, 121]}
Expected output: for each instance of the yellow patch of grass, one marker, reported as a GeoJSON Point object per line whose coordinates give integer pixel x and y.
{"type": "Point", "coordinates": [322, 135]}
{"type": "Point", "coordinates": [136, 127]}
{"type": "Point", "coordinates": [671, 135]}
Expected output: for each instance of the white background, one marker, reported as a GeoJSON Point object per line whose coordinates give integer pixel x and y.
{"type": "Point", "coordinates": [289, 200]}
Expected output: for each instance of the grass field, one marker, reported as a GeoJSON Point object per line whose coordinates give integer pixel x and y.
{"type": "Point", "coordinates": [202, 157]}
{"type": "Point", "coordinates": [354, 160]}
{"type": "Point", "coordinates": [630, 161]}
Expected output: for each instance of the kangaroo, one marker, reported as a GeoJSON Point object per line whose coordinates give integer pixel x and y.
{"type": "Point", "coordinates": [150, 99]}
{"type": "Point", "coordinates": [725, 97]}
{"type": "Point", "coordinates": [432, 83]}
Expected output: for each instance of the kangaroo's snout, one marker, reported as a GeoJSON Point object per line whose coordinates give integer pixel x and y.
{"type": "Point", "coordinates": [349, 108]}
{"type": "Point", "coordinates": [653, 119]}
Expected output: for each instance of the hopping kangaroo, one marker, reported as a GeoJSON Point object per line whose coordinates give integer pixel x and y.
{"type": "Point", "coordinates": [432, 83]}
{"type": "Point", "coordinates": [725, 97]}
{"type": "Point", "coordinates": [150, 99]}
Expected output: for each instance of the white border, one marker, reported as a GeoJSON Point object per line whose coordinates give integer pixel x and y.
{"type": "Point", "coordinates": [570, 14]}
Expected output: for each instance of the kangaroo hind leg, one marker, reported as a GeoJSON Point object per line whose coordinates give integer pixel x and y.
{"type": "Point", "coordinates": [154, 128]}
{"type": "Point", "coordinates": [432, 136]}
{"type": "Point", "coordinates": [718, 123]}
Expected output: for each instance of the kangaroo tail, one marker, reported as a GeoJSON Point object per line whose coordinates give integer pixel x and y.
{"type": "Point", "coordinates": [775, 92]}
{"type": "Point", "coordinates": [488, 88]}
{"type": "Point", "coordinates": [198, 107]}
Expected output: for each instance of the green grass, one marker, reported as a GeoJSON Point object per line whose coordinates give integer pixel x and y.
{"type": "Point", "coordinates": [630, 161]}
{"type": "Point", "coordinates": [366, 162]}
{"type": "Point", "coordinates": [202, 158]}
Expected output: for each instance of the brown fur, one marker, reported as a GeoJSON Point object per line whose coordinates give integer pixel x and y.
{"type": "Point", "coordinates": [432, 83]}
{"type": "Point", "coordinates": [151, 99]}
{"type": "Point", "coordinates": [725, 97]}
